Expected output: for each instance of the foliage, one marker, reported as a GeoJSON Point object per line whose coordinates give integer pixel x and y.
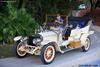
{"type": "Point", "coordinates": [39, 8]}
{"type": "Point", "coordinates": [18, 22]}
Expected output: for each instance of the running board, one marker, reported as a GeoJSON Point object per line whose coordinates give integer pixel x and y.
{"type": "Point", "coordinates": [64, 49]}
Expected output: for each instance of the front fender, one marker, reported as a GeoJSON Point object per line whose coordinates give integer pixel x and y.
{"type": "Point", "coordinates": [45, 42]}
{"type": "Point", "coordinates": [17, 38]}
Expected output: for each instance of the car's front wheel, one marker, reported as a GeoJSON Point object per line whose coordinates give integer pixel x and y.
{"type": "Point", "coordinates": [19, 49]}
{"type": "Point", "coordinates": [47, 54]}
{"type": "Point", "coordinates": [86, 47]}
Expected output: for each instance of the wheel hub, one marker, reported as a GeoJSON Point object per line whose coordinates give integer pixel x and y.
{"type": "Point", "coordinates": [49, 53]}
{"type": "Point", "coordinates": [21, 50]}
{"type": "Point", "coordinates": [86, 46]}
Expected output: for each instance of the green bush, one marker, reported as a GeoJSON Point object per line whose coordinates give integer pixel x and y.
{"type": "Point", "coordinates": [17, 22]}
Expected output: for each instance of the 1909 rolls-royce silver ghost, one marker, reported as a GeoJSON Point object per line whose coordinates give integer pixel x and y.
{"type": "Point", "coordinates": [48, 42]}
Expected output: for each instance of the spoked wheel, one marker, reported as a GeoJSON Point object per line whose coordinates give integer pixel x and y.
{"type": "Point", "coordinates": [47, 54]}
{"type": "Point", "coordinates": [86, 47]}
{"type": "Point", "coordinates": [20, 49]}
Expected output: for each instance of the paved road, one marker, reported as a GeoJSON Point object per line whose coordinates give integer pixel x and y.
{"type": "Point", "coordinates": [74, 58]}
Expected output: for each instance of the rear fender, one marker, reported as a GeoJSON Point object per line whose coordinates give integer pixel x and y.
{"type": "Point", "coordinates": [84, 37]}
{"type": "Point", "coordinates": [90, 32]}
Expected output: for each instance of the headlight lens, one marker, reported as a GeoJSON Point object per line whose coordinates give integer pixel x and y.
{"type": "Point", "coordinates": [37, 39]}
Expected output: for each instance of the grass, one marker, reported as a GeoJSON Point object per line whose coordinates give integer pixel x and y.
{"type": "Point", "coordinates": [6, 51]}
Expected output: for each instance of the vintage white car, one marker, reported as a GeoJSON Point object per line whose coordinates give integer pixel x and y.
{"type": "Point", "coordinates": [48, 42]}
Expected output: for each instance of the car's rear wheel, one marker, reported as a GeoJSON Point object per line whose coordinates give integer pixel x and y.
{"type": "Point", "coordinates": [86, 47]}
{"type": "Point", "coordinates": [47, 54]}
{"type": "Point", "coordinates": [19, 49]}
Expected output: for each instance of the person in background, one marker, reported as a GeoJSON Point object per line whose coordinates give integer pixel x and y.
{"type": "Point", "coordinates": [60, 21]}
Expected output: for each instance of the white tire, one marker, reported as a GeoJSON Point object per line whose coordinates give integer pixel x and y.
{"type": "Point", "coordinates": [18, 52]}
{"type": "Point", "coordinates": [87, 45]}
{"type": "Point", "coordinates": [47, 54]}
